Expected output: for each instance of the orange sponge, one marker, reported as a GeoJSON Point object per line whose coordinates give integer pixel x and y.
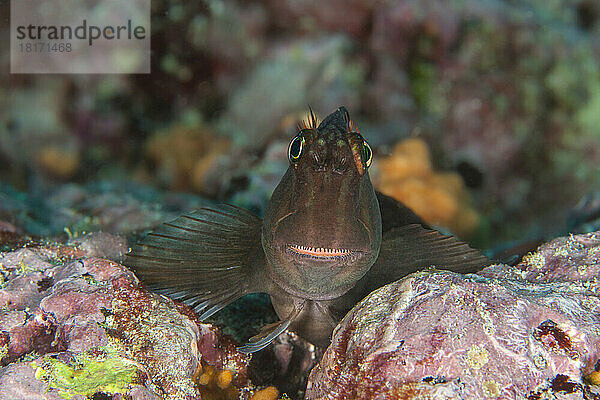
{"type": "Point", "coordinates": [183, 156]}
{"type": "Point", "coordinates": [440, 198]}
{"type": "Point", "coordinates": [268, 393]}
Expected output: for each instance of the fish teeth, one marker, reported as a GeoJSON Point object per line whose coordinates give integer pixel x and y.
{"type": "Point", "coordinates": [319, 251]}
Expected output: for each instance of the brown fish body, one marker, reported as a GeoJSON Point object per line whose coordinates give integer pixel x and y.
{"type": "Point", "coordinates": [327, 240]}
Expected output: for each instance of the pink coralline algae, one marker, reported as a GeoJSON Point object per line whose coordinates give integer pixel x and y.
{"type": "Point", "coordinates": [526, 332]}
{"type": "Point", "coordinates": [74, 324]}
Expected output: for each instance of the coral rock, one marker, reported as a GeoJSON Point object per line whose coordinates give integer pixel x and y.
{"type": "Point", "coordinates": [100, 244]}
{"type": "Point", "coordinates": [437, 334]}
{"type": "Point", "coordinates": [574, 258]}
{"type": "Point", "coordinates": [18, 382]}
{"type": "Point", "coordinates": [86, 327]}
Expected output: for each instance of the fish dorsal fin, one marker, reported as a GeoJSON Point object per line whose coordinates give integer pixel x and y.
{"type": "Point", "coordinates": [269, 332]}
{"type": "Point", "coordinates": [394, 214]}
{"type": "Point", "coordinates": [413, 248]}
{"type": "Point", "coordinates": [207, 258]}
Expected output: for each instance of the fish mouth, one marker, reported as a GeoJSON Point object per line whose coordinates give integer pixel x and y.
{"type": "Point", "coordinates": [322, 253]}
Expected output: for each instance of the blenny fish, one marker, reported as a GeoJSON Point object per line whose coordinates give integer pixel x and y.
{"type": "Point", "coordinates": [327, 240]}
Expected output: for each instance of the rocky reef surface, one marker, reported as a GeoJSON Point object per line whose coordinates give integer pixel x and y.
{"type": "Point", "coordinates": [74, 324]}
{"type": "Point", "coordinates": [530, 331]}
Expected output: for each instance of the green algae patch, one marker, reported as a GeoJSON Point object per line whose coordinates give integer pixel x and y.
{"type": "Point", "coordinates": [87, 374]}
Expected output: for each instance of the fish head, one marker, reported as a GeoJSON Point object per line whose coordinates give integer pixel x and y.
{"type": "Point", "coordinates": [322, 227]}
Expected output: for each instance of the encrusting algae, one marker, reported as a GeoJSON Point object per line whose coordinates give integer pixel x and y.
{"type": "Point", "coordinates": [87, 373]}
{"type": "Point", "coordinates": [440, 198]}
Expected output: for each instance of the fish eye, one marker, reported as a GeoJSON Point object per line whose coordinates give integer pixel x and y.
{"type": "Point", "coordinates": [367, 153]}
{"type": "Point", "coordinates": [295, 148]}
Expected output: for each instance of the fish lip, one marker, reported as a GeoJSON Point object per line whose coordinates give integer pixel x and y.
{"type": "Point", "coordinates": [322, 254]}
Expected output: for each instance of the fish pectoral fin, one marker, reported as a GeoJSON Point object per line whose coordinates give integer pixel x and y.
{"type": "Point", "coordinates": [412, 248]}
{"type": "Point", "coordinates": [264, 331]}
{"type": "Point", "coordinates": [207, 259]}
{"type": "Point", "coordinates": [269, 332]}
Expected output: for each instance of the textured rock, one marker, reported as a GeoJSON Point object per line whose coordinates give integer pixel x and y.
{"type": "Point", "coordinates": [75, 324]}
{"type": "Point", "coordinates": [101, 244]}
{"type": "Point", "coordinates": [17, 382]}
{"type": "Point", "coordinates": [530, 331]}
{"type": "Point", "coordinates": [574, 258]}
